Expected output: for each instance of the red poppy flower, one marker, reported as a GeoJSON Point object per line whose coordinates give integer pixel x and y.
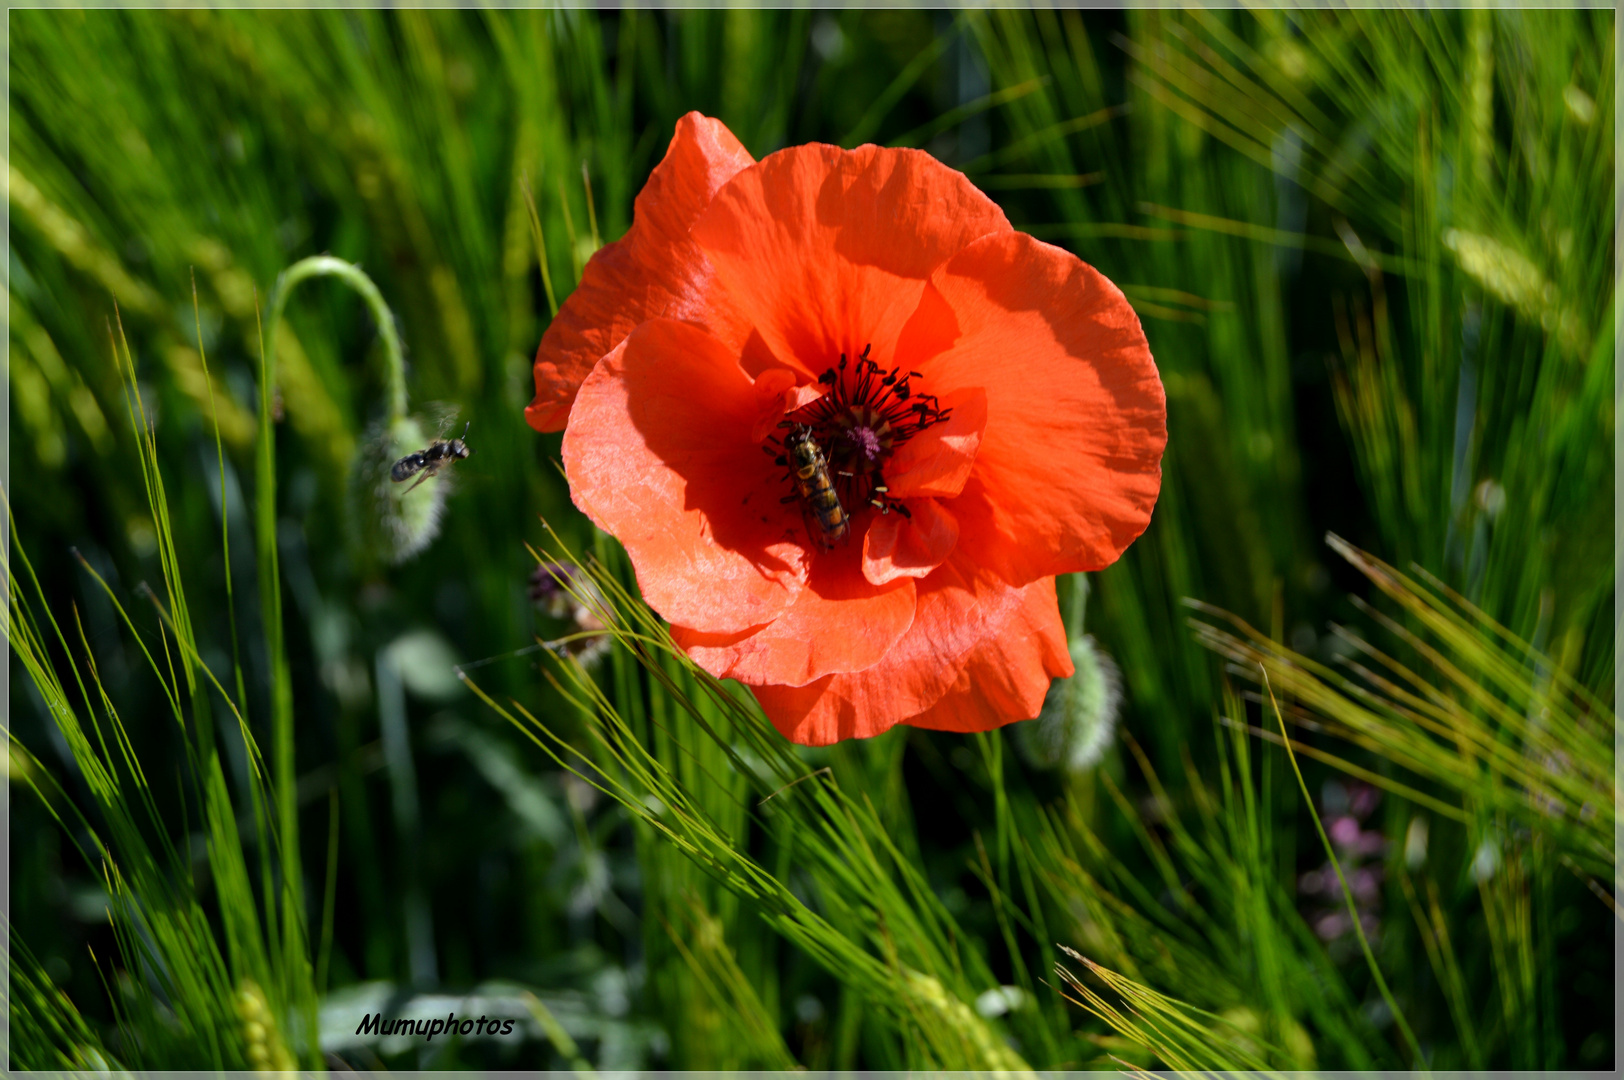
{"type": "Point", "coordinates": [952, 413]}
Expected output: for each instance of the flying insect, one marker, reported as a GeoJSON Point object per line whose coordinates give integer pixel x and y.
{"type": "Point", "coordinates": [430, 461]}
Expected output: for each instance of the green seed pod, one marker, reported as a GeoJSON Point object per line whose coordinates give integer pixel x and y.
{"type": "Point", "coordinates": [262, 1040]}
{"type": "Point", "coordinates": [395, 520]}
{"type": "Point", "coordinates": [1079, 715]}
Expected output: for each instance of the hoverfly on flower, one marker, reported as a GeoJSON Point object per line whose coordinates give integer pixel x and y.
{"type": "Point", "coordinates": [1003, 401]}
{"type": "Point", "coordinates": [826, 520]}
{"type": "Point", "coordinates": [870, 414]}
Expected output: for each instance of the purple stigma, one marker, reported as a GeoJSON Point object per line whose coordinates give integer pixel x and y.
{"type": "Point", "coordinates": [865, 443]}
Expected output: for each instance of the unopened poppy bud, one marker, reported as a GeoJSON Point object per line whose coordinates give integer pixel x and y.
{"type": "Point", "coordinates": [1079, 715]}
{"type": "Point", "coordinates": [395, 520]}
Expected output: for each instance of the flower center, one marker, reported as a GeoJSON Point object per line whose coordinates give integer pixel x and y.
{"type": "Point", "coordinates": [867, 445]}
{"type": "Point", "coordinates": [869, 412]}
{"type": "Point", "coordinates": [865, 417]}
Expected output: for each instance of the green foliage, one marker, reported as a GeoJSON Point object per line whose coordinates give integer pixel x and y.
{"type": "Point", "coordinates": [1373, 254]}
{"type": "Point", "coordinates": [889, 938]}
{"type": "Point", "coordinates": [1493, 722]}
{"type": "Point", "coordinates": [47, 1030]}
{"type": "Point", "coordinates": [187, 1014]}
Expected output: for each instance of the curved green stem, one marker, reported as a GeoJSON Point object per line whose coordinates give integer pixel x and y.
{"type": "Point", "coordinates": [355, 278]}
{"type": "Point", "coordinates": [270, 584]}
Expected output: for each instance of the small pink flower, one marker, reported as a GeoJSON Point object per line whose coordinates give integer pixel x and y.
{"type": "Point", "coordinates": [1345, 832]}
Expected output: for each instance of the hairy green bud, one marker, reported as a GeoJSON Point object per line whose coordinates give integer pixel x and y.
{"type": "Point", "coordinates": [395, 520]}
{"type": "Point", "coordinates": [1079, 714]}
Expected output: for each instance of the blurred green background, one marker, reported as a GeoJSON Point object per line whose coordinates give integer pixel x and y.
{"type": "Point", "coordinates": [1373, 254]}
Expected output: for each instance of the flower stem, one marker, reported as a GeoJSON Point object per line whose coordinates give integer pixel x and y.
{"type": "Point", "coordinates": [355, 278]}
{"type": "Point", "coordinates": [286, 781]}
{"type": "Point", "coordinates": [1076, 606]}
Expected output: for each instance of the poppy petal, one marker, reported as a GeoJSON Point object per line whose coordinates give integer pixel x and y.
{"type": "Point", "coordinates": [779, 392]}
{"type": "Point", "coordinates": [659, 454]}
{"type": "Point", "coordinates": [896, 546]}
{"type": "Point", "coordinates": [654, 270]}
{"type": "Point", "coordinates": [827, 250]}
{"type": "Point", "coordinates": [959, 611]}
{"type": "Point", "coordinates": [1006, 678]}
{"type": "Point", "coordinates": [938, 460]}
{"type": "Point", "coordinates": [838, 623]}
{"type": "Point", "coordinates": [1069, 465]}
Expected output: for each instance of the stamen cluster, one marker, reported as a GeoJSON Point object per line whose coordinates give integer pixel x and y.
{"type": "Point", "coordinates": [866, 416]}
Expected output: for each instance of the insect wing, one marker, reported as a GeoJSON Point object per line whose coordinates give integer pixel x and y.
{"type": "Point", "coordinates": [426, 474]}
{"type": "Point", "coordinates": [438, 418]}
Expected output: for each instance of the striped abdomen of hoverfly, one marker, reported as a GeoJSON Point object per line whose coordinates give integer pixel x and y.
{"type": "Point", "coordinates": [826, 518]}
